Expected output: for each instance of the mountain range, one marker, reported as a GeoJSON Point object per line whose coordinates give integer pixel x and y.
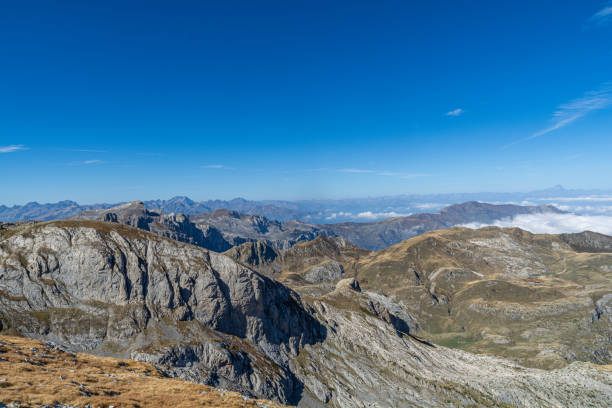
{"type": "Point", "coordinates": [115, 290]}
{"type": "Point", "coordinates": [220, 230]}
{"type": "Point", "coordinates": [326, 211]}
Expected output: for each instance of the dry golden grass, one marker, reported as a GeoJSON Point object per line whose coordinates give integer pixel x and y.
{"type": "Point", "coordinates": [33, 373]}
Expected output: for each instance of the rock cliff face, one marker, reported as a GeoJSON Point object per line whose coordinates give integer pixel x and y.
{"type": "Point", "coordinates": [109, 289]}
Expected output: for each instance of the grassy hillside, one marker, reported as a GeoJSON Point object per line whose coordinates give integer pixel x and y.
{"type": "Point", "coordinates": [34, 373]}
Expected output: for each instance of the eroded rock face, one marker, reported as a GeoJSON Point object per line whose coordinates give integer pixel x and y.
{"type": "Point", "coordinates": [105, 287]}
{"type": "Point", "coordinates": [364, 361]}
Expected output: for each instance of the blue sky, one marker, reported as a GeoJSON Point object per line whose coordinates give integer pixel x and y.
{"type": "Point", "coordinates": [125, 100]}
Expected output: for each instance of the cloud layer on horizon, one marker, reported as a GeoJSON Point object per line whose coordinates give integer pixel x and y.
{"type": "Point", "coordinates": [551, 223]}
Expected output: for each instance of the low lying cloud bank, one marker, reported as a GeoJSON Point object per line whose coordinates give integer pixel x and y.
{"type": "Point", "coordinates": [550, 223]}
{"type": "Point", "coordinates": [369, 215]}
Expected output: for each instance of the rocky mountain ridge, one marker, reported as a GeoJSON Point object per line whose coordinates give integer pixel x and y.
{"type": "Point", "coordinates": [119, 291]}
{"type": "Point", "coordinates": [222, 229]}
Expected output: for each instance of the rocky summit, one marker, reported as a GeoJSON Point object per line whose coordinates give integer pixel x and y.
{"type": "Point", "coordinates": [113, 290]}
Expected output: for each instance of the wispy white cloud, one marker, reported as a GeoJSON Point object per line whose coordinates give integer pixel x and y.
{"type": "Point", "coordinates": [455, 112]}
{"type": "Point", "coordinates": [11, 148]}
{"type": "Point", "coordinates": [91, 162]}
{"type": "Point", "coordinates": [552, 223]}
{"type": "Point", "coordinates": [355, 171]}
{"type": "Point", "coordinates": [149, 154]}
{"type": "Point", "coordinates": [384, 173]}
{"type": "Point", "coordinates": [603, 16]}
{"type": "Point", "coordinates": [413, 175]}
{"type": "Point", "coordinates": [85, 150]}
{"type": "Point", "coordinates": [574, 110]}
{"type": "Point", "coordinates": [216, 166]}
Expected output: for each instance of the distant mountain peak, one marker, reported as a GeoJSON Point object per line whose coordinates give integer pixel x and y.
{"type": "Point", "coordinates": [181, 199]}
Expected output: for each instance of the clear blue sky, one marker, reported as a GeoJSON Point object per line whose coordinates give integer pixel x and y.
{"type": "Point", "coordinates": [119, 100]}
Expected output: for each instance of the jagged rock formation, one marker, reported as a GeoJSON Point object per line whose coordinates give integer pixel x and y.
{"type": "Point", "coordinates": [115, 290]}
{"type": "Point", "coordinates": [175, 226]}
{"type": "Point", "coordinates": [218, 230]}
{"type": "Point", "coordinates": [239, 228]}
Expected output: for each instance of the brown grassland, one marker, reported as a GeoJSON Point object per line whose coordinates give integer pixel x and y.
{"type": "Point", "coordinates": [34, 373]}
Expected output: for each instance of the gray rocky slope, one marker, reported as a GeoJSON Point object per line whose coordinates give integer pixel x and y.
{"type": "Point", "coordinates": [114, 290]}
{"type": "Point", "coordinates": [222, 229]}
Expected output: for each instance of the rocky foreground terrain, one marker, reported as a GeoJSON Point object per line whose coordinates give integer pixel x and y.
{"type": "Point", "coordinates": [113, 290]}
{"type": "Point", "coordinates": [47, 374]}
{"type": "Point", "coordinates": [222, 229]}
